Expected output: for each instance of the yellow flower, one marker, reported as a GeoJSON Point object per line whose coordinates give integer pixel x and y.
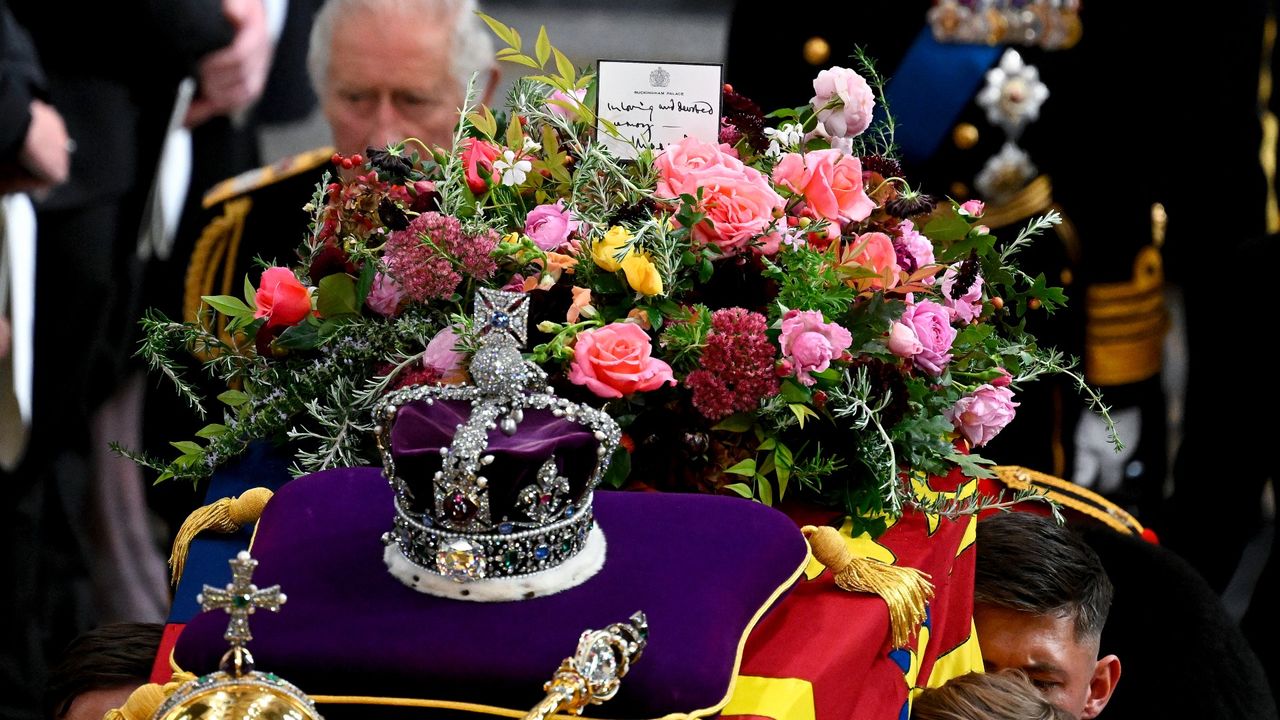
{"type": "Point", "coordinates": [511, 238]}
{"type": "Point", "coordinates": [605, 251]}
{"type": "Point", "coordinates": [642, 274]}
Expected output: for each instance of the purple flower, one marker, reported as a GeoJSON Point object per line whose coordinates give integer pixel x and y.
{"type": "Point", "coordinates": [916, 247]}
{"type": "Point", "coordinates": [981, 415]}
{"type": "Point", "coordinates": [924, 335]}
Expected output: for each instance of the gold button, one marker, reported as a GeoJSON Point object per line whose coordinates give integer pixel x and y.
{"type": "Point", "coordinates": [1065, 277]}
{"type": "Point", "coordinates": [816, 50]}
{"type": "Point", "coordinates": [959, 191]}
{"type": "Point", "coordinates": [965, 136]}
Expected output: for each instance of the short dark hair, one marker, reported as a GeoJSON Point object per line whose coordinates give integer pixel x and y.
{"type": "Point", "coordinates": [107, 657]}
{"type": "Point", "coordinates": [1007, 695]}
{"type": "Point", "coordinates": [1032, 564]}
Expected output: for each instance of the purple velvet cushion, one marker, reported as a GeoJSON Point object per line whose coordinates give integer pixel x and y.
{"type": "Point", "coordinates": [701, 568]}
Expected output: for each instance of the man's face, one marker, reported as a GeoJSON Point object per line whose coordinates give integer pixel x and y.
{"type": "Point", "coordinates": [389, 79]}
{"type": "Point", "coordinates": [93, 704]}
{"type": "Point", "coordinates": [1067, 672]}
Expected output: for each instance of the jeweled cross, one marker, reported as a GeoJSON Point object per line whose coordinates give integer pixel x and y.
{"type": "Point", "coordinates": [241, 598]}
{"type": "Point", "coordinates": [503, 313]}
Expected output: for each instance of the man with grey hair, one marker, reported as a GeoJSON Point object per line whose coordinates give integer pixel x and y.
{"type": "Point", "coordinates": [385, 71]}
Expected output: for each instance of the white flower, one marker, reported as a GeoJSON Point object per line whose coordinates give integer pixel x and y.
{"type": "Point", "coordinates": [513, 171]}
{"type": "Point", "coordinates": [1013, 94]}
{"type": "Point", "coordinates": [783, 139]}
{"type": "Point", "coordinates": [530, 146]}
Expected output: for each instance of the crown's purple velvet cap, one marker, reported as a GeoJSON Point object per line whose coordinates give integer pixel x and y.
{"type": "Point", "coordinates": [699, 566]}
{"type": "Point", "coordinates": [421, 430]}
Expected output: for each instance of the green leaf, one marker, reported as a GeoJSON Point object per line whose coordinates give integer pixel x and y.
{"type": "Point", "coordinates": [705, 270]}
{"type": "Point", "coordinates": [507, 35]}
{"type": "Point", "coordinates": [746, 468]}
{"type": "Point", "coordinates": [792, 392]}
{"type": "Point", "coordinates": [166, 475]}
{"type": "Point", "coordinates": [765, 489]}
{"type": "Point", "coordinates": [337, 296]}
{"type": "Point", "coordinates": [515, 136]}
{"type": "Point", "coordinates": [768, 444]}
{"type": "Point", "coordinates": [802, 413]}
{"type": "Point", "coordinates": [299, 337]}
{"type": "Point", "coordinates": [523, 59]}
{"type": "Point", "coordinates": [619, 468]}
{"type": "Point", "coordinates": [563, 66]}
{"type": "Point", "coordinates": [365, 283]}
{"type": "Point", "coordinates": [187, 447]}
{"type": "Point", "coordinates": [973, 466]}
{"type": "Point", "coordinates": [742, 489]}
{"type": "Point", "coordinates": [211, 431]}
{"type": "Point", "coordinates": [767, 466]}
{"type": "Point", "coordinates": [228, 305]}
{"type": "Point", "coordinates": [234, 398]}
{"type": "Point", "coordinates": [250, 294]}
{"type": "Point", "coordinates": [484, 121]}
{"type": "Point", "coordinates": [736, 423]}
{"type": "Point", "coordinates": [947, 227]}
{"type": "Point", "coordinates": [542, 48]}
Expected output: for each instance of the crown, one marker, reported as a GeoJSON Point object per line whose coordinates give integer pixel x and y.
{"type": "Point", "coordinates": [1050, 24]}
{"type": "Point", "coordinates": [237, 690]}
{"type": "Point", "coordinates": [493, 481]}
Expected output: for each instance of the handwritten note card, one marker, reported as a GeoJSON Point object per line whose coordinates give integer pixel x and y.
{"type": "Point", "coordinates": [657, 104]}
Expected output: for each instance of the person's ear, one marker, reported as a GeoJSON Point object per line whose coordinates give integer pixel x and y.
{"type": "Point", "coordinates": [1106, 673]}
{"type": "Point", "coordinates": [491, 86]}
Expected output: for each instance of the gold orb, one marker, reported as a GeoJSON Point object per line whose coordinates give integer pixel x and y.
{"type": "Point", "coordinates": [816, 50]}
{"type": "Point", "coordinates": [965, 136]}
{"type": "Point", "coordinates": [257, 696]}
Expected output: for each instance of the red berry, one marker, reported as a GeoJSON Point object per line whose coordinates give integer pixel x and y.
{"type": "Point", "coordinates": [357, 159]}
{"type": "Point", "coordinates": [820, 399]}
{"type": "Point", "coordinates": [347, 164]}
{"type": "Point", "coordinates": [336, 159]}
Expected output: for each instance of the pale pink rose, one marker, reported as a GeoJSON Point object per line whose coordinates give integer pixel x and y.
{"type": "Point", "coordinates": [968, 306]}
{"type": "Point", "coordinates": [873, 251]}
{"type": "Point", "coordinates": [973, 208]}
{"type": "Point", "coordinates": [810, 343]}
{"type": "Point", "coordinates": [442, 355]}
{"type": "Point", "coordinates": [573, 101]}
{"type": "Point", "coordinates": [917, 246]}
{"type": "Point", "coordinates": [616, 360]}
{"type": "Point", "coordinates": [384, 296]}
{"type": "Point", "coordinates": [549, 226]}
{"type": "Point", "coordinates": [843, 102]}
{"type": "Point", "coordinates": [829, 180]}
{"type": "Point", "coordinates": [981, 415]}
{"type": "Point", "coordinates": [930, 326]}
{"type": "Point", "coordinates": [737, 199]}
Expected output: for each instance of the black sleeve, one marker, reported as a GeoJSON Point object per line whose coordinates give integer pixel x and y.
{"type": "Point", "coordinates": [20, 76]}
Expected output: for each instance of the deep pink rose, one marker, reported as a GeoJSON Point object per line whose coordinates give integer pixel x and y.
{"type": "Point", "coordinates": [843, 102]}
{"type": "Point", "coordinates": [810, 343]}
{"type": "Point", "coordinates": [968, 306]}
{"type": "Point", "coordinates": [616, 360]}
{"type": "Point", "coordinates": [924, 335]}
{"type": "Point", "coordinates": [1004, 380]}
{"type": "Point", "coordinates": [829, 180]}
{"type": "Point", "coordinates": [281, 299]}
{"type": "Point", "coordinates": [549, 226]}
{"type": "Point", "coordinates": [737, 199]}
{"type": "Point", "coordinates": [981, 415]}
{"type": "Point", "coordinates": [384, 296]}
{"type": "Point", "coordinates": [442, 355]}
{"type": "Point", "coordinates": [917, 246]}
{"type": "Point", "coordinates": [477, 160]}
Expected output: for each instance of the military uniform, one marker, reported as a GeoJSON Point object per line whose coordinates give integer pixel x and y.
{"type": "Point", "coordinates": [1107, 151]}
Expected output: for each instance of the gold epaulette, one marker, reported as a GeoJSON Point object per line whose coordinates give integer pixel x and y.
{"type": "Point", "coordinates": [1034, 199]}
{"type": "Point", "coordinates": [212, 268]}
{"type": "Point", "coordinates": [1071, 496]}
{"type": "Point", "coordinates": [1126, 323]}
{"type": "Point", "coordinates": [260, 177]}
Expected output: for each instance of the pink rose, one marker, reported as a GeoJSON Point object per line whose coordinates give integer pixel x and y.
{"type": "Point", "coordinates": [968, 306]}
{"type": "Point", "coordinates": [574, 101]}
{"type": "Point", "coordinates": [442, 355]}
{"type": "Point", "coordinates": [549, 226]}
{"type": "Point", "coordinates": [843, 101]}
{"type": "Point", "coordinates": [923, 335]}
{"type": "Point", "coordinates": [810, 343]}
{"type": "Point", "coordinates": [829, 180]}
{"type": "Point", "coordinates": [477, 160]}
{"type": "Point", "coordinates": [981, 415]}
{"type": "Point", "coordinates": [281, 299]}
{"type": "Point", "coordinates": [973, 208]}
{"type": "Point", "coordinates": [873, 251]}
{"type": "Point", "coordinates": [384, 296]}
{"type": "Point", "coordinates": [616, 360]}
{"type": "Point", "coordinates": [917, 246]}
{"type": "Point", "coordinates": [1004, 379]}
{"type": "Point", "coordinates": [737, 200]}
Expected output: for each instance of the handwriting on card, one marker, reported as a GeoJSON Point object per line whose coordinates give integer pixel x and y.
{"type": "Point", "coordinates": [652, 105]}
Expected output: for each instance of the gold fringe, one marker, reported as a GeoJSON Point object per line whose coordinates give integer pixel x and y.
{"type": "Point", "coordinates": [905, 590]}
{"type": "Point", "coordinates": [224, 516]}
{"type": "Point", "coordinates": [146, 700]}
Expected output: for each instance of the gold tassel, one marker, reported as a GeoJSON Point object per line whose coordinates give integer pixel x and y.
{"type": "Point", "coordinates": [143, 702]}
{"type": "Point", "coordinates": [225, 516]}
{"type": "Point", "coordinates": [905, 590]}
